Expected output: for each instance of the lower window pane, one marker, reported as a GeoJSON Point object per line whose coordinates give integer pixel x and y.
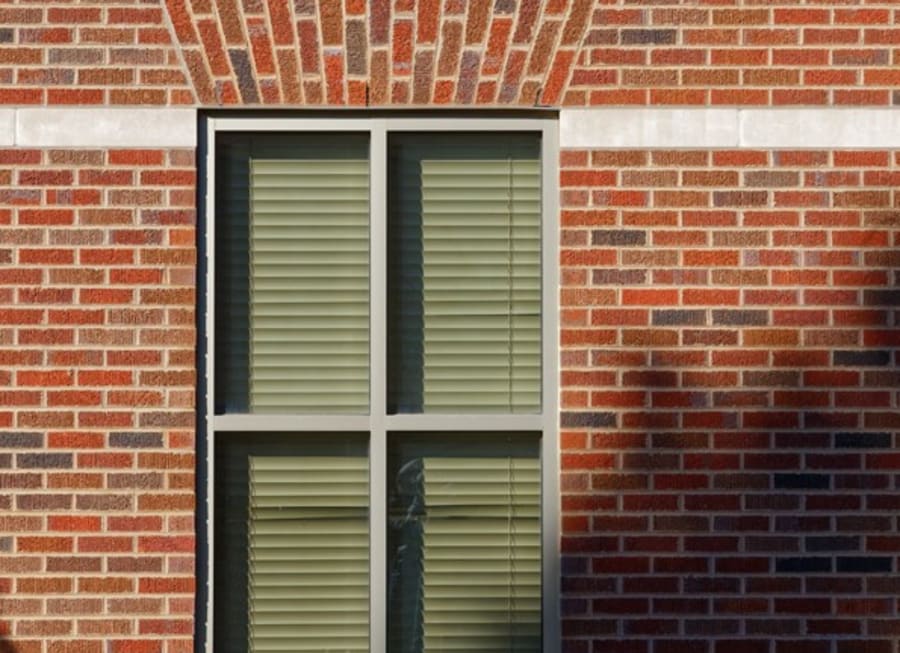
{"type": "Point", "coordinates": [464, 543]}
{"type": "Point", "coordinates": [291, 543]}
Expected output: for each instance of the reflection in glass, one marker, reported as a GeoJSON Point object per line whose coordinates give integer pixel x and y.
{"type": "Point", "coordinates": [464, 544]}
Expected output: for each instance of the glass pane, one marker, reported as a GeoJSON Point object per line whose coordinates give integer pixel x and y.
{"type": "Point", "coordinates": [291, 543]}
{"type": "Point", "coordinates": [464, 277]}
{"type": "Point", "coordinates": [464, 543]}
{"type": "Point", "coordinates": [292, 270]}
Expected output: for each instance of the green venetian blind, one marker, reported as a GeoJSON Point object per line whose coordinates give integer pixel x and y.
{"type": "Point", "coordinates": [291, 543]}
{"type": "Point", "coordinates": [308, 585]}
{"type": "Point", "coordinates": [292, 275]}
{"type": "Point", "coordinates": [465, 274]}
{"type": "Point", "coordinates": [466, 542]}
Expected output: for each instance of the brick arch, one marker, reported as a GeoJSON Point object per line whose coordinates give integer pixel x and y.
{"type": "Point", "coordinates": [379, 52]}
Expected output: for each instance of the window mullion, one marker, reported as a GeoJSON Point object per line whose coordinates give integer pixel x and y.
{"type": "Point", "coordinates": [378, 388]}
{"type": "Point", "coordinates": [550, 493]}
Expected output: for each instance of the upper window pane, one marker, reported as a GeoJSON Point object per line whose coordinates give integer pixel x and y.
{"type": "Point", "coordinates": [292, 269]}
{"type": "Point", "coordinates": [464, 277]}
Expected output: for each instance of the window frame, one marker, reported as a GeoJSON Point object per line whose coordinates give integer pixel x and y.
{"type": "Point", "coordinates": [378, 424]}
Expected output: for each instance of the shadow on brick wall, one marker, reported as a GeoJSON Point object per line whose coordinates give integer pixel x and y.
{"type": "Point", "coordinates": [6, 646]}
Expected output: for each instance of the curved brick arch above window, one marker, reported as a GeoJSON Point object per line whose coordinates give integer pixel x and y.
{"type": "Point", "coordinates": [379, 52]}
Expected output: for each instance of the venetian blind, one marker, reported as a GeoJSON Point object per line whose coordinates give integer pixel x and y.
{"type": "Point", "coordinates": [481, 560]}
{"type": "Point", "coordinates": [465, 276]}
{"type": "Point", "coordinates": [308, 580]}
{"type": "Point", "coordinates": [295, 327]}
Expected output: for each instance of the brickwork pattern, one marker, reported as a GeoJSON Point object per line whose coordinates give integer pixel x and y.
{"type": "Point", "coordinates": [449, 53]}
{"type": "Point", "coordinates": [739, 52]}
{"type": "Point", "coordinates": [97, 385]}
{"type": "Point", "coordinates": [89, 53]}
{"type": "Point", "coordinates": [729, 401]}
{"type": "Point", "coordinates": [379, 53]}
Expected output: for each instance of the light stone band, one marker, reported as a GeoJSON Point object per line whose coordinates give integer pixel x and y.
{"type": "Point", "coordinates": [685, 128]}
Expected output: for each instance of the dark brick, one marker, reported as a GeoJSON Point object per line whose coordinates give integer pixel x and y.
{"type": "Point", "coordinates": [802, 523]}
{"type": "Point", "coordinates": [705, 584]}
{"type": "Point", "coordinates": [873, 378]}
{"type": "Point", "coordinates": [883, 584]}
{"type": "Point", "coordinates": [738, 318]}
{"type": "Point", "coordinates": [881, 297]}
{"type": "Point", "coordinates": [6, 35]}
{"type": "Point", "coordinates": [619, 277]}
{"type": "Point", "coordinates": [244, 73]}
{"type": "Point", "coordinates": [468, 77]}
{"type": "Point", "coordinates": [504, 6]}
{"type": "Point", "coordinates": [6, 544]}
{"type": "Point", "coordinates": [832, 584]}
{"type": "Point", "coordinates": [740, 198]}
{"type": "Point", "coordinates": [74, 563]}
{"type": "Point", "coordinates": [802, 565]}
{"type": "Point", "coordinates": [5, 460]}
{"type": "Point", "coordinates": [857, 481]}
{"type": "Point", "coordinates": [22, 480]}
{"type": "Point", "coordinates": [44, 461]}
{"type": "Point", "coordinates": [864, 564]}
{"type": "Point", "coordinates": [852, 357]}
{"type": "Point", "coordinates": [862, 440]}
{"type": "Point", "coordinates": [678, 316]}
{"type": "Point", "coordinates": [821, 543]}
{"type": "Point", "coordinates": [802, 646]}
{"type": "Point", "coordinates": [595, 420]}
{"type": "Point", "coordinates": [618, 237]}
{"type": "Point", "coordinates": [773, 626]}
{"type": "Point", "coordinates": [304, 7]}
{"type": "Point", "coordinates": [863, 523]}
{"type": "Point", "coordinates": [142, 480]}
{"type": "Point", "coordinates": [802, 481]}
{"type": "Point", "coordinates": [644, 36]}
{"type": "Point", "coordinates": [786, 378]}
{"type": "Point", "coordinates": [44, 502]}
{"type": "Point", "coordinates": [136, 440]}
{"type": "Point", "coordinates": [132, 565]}
{"type": "Point", "coordinates": [104, 502]}
{"type": "Point", "coordinates": [21, 440]}
{"type": "Point", "coordinates": [356, 47]}
{"type": "Point", "coordinates": [866, 646]}
{"type": "Point", "coordinates": [771, 178]}
{"type": "Point", "coordinates": [604, 37]}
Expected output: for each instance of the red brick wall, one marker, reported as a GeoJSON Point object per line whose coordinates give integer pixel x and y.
{"type": "Point", "coordinates": [450, 52]}
{"type": "Point", "coordinates": [739, 53]}
{"type": "Point", "coordinates": [383, 52]}
{"type": "Point", "coordinates": [97, 383]}
{"type": "Point", "coordinates": [729, 380]}
{"type": "Point", "coordinates": [87, 54]}
{"type": "Point", "coordinates": [729, 393]}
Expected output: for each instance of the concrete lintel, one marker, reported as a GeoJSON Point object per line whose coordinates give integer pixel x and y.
{"type": "Point", "coordinates": [685, 128]}
{"type": "Point", "coordinates": [820, 128]}
{"type": "Point", "coordinates": [7, 127]}
{"type": "Point", "coordinates": [104, 127]}
{"type": "Point", "coordinates": [617, 128]}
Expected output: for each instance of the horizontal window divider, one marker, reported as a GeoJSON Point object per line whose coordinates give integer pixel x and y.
{"type": "Point", "coordinates": [458, 423]}
{"type": "Point", "coordinates": [347, 423]}
{"type": "Point", "coordinates": [288, 423]}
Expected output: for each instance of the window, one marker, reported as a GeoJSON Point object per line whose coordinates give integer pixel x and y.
{"type": "Point", "coordinates": [382, 379]}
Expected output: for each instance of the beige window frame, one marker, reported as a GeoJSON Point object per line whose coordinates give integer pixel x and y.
{"type": "Point", "coordinates": [378, 424]}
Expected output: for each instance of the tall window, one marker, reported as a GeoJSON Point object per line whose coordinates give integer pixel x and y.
{"type": "Point", "coordinates": [382, 385]}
